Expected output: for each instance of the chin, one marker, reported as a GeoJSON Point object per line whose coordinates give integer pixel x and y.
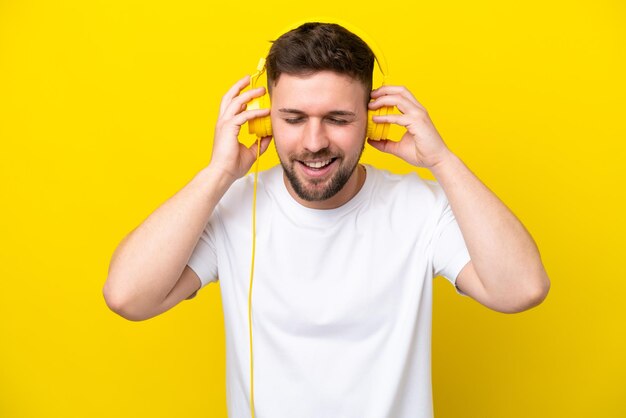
{"type": "Point", "coordinates": [317, 190]}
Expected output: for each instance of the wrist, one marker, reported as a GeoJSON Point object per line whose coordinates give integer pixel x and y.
{"type": "Point", "coordinates": [216, 177]}
{"type": "Point", "coordinates": [444, 163]}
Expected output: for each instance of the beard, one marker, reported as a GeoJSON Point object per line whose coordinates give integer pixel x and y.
{"type": "Point", "coordinates": [313, 190]}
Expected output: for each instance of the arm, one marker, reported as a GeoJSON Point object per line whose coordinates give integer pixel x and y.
{"type": "Point", "coordinates": [505, 272]}
{"type": "Point", "coordinates": [148, 273]}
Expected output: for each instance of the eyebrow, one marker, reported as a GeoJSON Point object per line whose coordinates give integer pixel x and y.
{"type": "Point", "coordinates": [332, 112]}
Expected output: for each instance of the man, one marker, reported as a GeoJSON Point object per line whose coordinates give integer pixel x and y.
{"type": "Point", "coordinates": [346, 253]}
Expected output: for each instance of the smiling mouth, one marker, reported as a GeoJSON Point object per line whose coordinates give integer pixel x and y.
{"type": "Point", "coordinates": [318, 164]}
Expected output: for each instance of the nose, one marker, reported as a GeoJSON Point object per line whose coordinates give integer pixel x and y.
{"type": "Point", "coordinates": [314, 136]}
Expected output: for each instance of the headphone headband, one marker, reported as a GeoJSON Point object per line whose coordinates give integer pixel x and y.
{"type": "Point", "coordinates": [379, 57]}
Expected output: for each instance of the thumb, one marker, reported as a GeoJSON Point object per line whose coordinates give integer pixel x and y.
{"type": "Point", "coordinates": [384, 145]}
{"type": "Point", "coordinates": [265, 143]}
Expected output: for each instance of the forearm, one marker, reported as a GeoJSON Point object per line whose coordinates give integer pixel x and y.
{"type": "Point", "coordinates": [504, 254]}
{"type": "Point", "coordinates": [148, 262]}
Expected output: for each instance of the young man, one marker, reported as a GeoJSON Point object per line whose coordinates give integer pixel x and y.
{"type": "Point", "coordinates": [346, 253]}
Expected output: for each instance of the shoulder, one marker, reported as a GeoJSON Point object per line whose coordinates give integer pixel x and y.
{"type": "Point", "coordinates": [407, 188]}
{"type": "Point", "coordinates": [240, 193]}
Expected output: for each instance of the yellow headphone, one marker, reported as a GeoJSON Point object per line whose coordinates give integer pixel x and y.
{"type": "Point", "coordinates": [263, 126]}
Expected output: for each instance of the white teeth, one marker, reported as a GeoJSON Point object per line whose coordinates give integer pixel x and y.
{"type": "Point", "coordinates": [317, 164]}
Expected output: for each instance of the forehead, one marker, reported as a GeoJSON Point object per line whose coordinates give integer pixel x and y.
{"type": "Point", "coordinates": [318, 92]}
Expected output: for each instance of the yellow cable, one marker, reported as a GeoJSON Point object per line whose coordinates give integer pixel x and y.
{"type": "Point", "coordinates": [256, 176]}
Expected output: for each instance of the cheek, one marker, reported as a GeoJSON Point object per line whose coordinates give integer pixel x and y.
{"type": "Point", "coordinates": [285, 144]}
{"type": "Point", "coordinates": [283, 129]}
{"type": "Point", "coordinates": [349, 138]}
{"type": "Point", "coordinates": [283, 133]}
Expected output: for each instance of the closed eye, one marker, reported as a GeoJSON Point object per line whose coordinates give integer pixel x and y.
{"type": "Point", "coordinates": [338, 121]}
{"type": "Point", "coordinates": [334, 121]}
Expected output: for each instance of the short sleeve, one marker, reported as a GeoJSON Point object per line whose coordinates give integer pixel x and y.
{"type": "Point", "coordinates": [203, 260]}
{"type": "Point", "coordinates": [450, 253]}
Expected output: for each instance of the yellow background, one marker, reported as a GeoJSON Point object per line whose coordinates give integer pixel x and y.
{"type": "Point", "coordinates": [107, 108]}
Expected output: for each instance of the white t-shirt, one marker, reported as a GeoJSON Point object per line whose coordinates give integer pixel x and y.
{"type": "Point", "coordinates": [341, 298]}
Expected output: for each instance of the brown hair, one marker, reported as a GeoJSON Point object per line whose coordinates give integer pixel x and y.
{"type": "Point", "coordinates": [314, 47]}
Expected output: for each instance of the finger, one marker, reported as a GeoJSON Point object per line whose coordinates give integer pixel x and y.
{"type": "Point", "coordinates": [247, 115]}
{"type": "Point", "coordinates": [402, 120]}
{"type": "Point", "coordinates": [403, 104]}
{"type": "Point", "coordinates": [233, 91]}
{"type": "Point", "coordinates": [401, 90]}
{"type": "Point", "coordinates": [237, 104]}
{"type": "Point", "coordinates": [388, 89]}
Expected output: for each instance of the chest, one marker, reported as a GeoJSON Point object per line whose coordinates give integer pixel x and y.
{"type": "Point", "coordinates": [349, 280]}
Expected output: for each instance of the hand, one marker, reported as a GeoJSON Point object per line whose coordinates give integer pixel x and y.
{"type": "Point", "coordinates": [230, 157]}
{"type": "Point", "coordinates": [421, 145]}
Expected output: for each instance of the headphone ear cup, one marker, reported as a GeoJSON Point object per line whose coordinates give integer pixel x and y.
{"type": "Point", "coordinates": [378, 131]}
{"type": "Point", "coordinates": [260, 126]}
